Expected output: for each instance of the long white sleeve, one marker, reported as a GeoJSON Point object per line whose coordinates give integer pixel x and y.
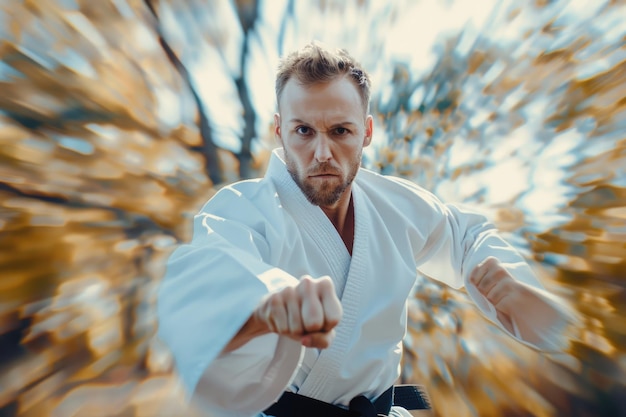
{"type": "Point", "coordinates": [465, 239]}
{"type": "Point", "coordinates": [211, 287]}
{"type": "Point", "coordinates": [457, 240]}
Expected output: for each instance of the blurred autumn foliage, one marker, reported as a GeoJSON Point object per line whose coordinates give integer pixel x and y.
{"type": "Point", "coordinates": [118, 119]}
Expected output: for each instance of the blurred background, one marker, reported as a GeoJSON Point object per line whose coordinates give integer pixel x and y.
{"type": "Point", "coordinates": [119, 118]}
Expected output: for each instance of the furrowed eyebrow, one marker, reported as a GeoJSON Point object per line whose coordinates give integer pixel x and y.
{"type": "Point", "coordinates": [342, 124]}
{"type": "Point", "coordinates": [346, 123]}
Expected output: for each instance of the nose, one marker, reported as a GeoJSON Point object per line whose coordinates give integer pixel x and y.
{"type": "Point", "coordinates": [322, 149]}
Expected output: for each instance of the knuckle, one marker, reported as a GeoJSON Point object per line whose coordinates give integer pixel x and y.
{"type": "Point", "coordinates": [491, 260]}
{"type": "Point", "coordinates": [332, 322]}
{"type": "Point", "coordinates": [313, 324]}
{"type": "Point", "coordinates": [305, 284]}
{"type": "Point", "coordinates": [321, 340]}
{"type": "Point", "coordinates": [276, 301]}
{"type": "Point", "coordinates": [313, 315]}
{"type": "Point", "coordinates": [509, 286]}
{"type": "Point", "coordinates": [334, 314]}
{"type": "Point", "coordinates": [325, 283]}
{"type": "Point", "coordinates": [288, 292]}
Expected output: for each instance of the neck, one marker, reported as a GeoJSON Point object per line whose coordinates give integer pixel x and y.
{"type": "Point", "coordinates": [341, 215]}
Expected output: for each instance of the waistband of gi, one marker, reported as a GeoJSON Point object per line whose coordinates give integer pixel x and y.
{"type": "Point", "coordinates": [410, 397]}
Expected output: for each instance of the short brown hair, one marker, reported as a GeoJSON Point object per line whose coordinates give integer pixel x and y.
{"type": "Point", "coordinates": [314, 64]}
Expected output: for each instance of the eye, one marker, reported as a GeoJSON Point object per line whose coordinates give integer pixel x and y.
{"type": "Point", "coordinates": [304, 130]}
{"type": "Point", "coordinates": [341, 131]}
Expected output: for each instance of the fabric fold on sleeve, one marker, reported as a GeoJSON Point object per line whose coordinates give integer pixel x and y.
{"type": "Point", "coordinates": [461, 240]}
{"type": "Point", "coordinates": [547, 334]}
{"type": "Point", "coordinates": [248, 380]}
{"type": "Point", "coordinates": [210, 289]}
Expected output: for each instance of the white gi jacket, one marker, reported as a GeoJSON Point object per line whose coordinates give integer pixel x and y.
{"type": "Point", "coordinates": [259, 235]}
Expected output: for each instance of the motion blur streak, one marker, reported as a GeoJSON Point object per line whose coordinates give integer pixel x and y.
{"type": "Point", "coordinates": [118, 119]}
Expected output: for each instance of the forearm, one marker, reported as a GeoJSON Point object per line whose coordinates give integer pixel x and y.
{"type": "Point", "coordinates": [543, 320]}
{"type": "Point", "coordinates": [528, 312]}
{"type": "Point", "coordinates": [251, 329]}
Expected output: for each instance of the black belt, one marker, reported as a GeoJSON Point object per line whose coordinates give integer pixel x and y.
{"type": "Point", "coordinates": [411, 397]}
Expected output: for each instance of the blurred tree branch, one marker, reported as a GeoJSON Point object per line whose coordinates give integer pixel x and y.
{"type": "Point", "coordinates": [208, 147]}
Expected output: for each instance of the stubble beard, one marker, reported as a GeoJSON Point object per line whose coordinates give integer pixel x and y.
{"type": "Point", "coordinates": [329, 192]}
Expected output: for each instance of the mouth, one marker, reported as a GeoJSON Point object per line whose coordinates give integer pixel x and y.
{"type": "Point", "coordinates": [323, 176]}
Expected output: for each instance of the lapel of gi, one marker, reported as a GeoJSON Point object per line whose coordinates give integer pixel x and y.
{"type": "Point", "coordinates": [314, 222]}
{"type": "Point", "coordinates": [318, 383]}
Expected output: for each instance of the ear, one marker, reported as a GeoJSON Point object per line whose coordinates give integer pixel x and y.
{"type": "Point", "coordinates": [369, 130]}
{"type": "Point", "coordinates": [277, 132]}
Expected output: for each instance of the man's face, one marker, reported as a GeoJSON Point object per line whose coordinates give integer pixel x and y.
{"type": "Point", "coordinates": [323, 130]}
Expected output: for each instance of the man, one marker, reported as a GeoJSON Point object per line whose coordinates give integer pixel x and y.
{"type": "Point", "coordinates": [298, 282]}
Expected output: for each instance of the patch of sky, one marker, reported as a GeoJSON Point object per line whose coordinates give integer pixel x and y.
{"type": "Point", "coordinates": [218, 92]}
{"type": "Point", "coordinates": [5, 27]}
{"type": "Point", "coordinates": [168, 107]}
{"type": "Point", "coordinates": [592, 68]}
{"type": "Point", "coordinates": [572, 236]}
{"type": "Point", "coordinates": [560, 150]}
{"type": "Point", "coordinates": [34, 50]}
{"type": "Point", "coordinates": [552, 258]}
{"type": "Point", "coordinates": [144, 37]}
{"type": "Point", "coordinates": [504, 147]}
{"type": "Point", "coordinates": [522, 49]}
{"type": "Point", "coordinates": [505, 180]}
{"type": "Point", "coordinates": [109, 133]}
{"type": "Point", "coordinates": [228, 23]}
{"type": "Point", "coordinates": [272, 12]}
{"type": "Point", "coordinates": [461, 189]}
{"type": "Point", "coordinates": [525, 139]}
{"type": "Point", "coordinates": [578, 8]}
{"type": "Point", "coordinates": [86, 30]}
{"type": "Point", "coordinates": [586, 124]}
{"type": "Point", "coordinates": [77, 145]}
{"type": "Point", "coordinates": [513, 98]}
{"type": "Point", "coordinates": [612, 27]}
{"type": "Point", "coordinates": [123, 8]}
{"type": "Point", "coordinates": [545, 197]}
{"type": "Point", "coordinates": [386, 95]}
{"type": "Point", "coordinates": [226, 137]}
{"type": "Point", "coordinates": [170, 24]}
{"type": "Point", "coordinates": [548, 192]}
{"type": "Point", "coordinates": [619, 180]}
{"type": "Point", "coordinates": [467, 40]}
{"type": "Point", "coordinates": [493, 72]}
{"type": "Point", "coordinates": [260, 73]}
{"type": "Point", "coordinates": [68, 4]}
{"type": "Point", "coordinates": [417, 97]}
{"type": "Point", "coordinates": [133, 158]}
{"type": "Point", "coordinates": [561, 41]}
{"type": "Point", "coordinates": [479, 117]}
{"type": "Point", "coordinates": [43, 145]}
{"type": "Point", "coordinates": [506, 31]}
{"type": "Point", "coordinates": [536, 110]}
{"type": "Point", "coordinates": [8, 73]}
{"type": "Point", "coordinates": [167, 166]}
{"type": "Point", "coordinates": [426, 22]}
{"type": "Point", "coordinates": [77, 62]}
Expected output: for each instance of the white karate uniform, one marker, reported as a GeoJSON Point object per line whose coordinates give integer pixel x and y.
{"type": "Point", "coordinates": [259, 235]}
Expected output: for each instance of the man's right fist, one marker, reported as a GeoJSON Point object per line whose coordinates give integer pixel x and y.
{"type": "Point", "coordinates": [307, 312]}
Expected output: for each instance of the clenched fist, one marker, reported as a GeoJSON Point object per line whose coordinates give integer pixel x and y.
{"type": "Point", "coordinates": [307, 312]}
{"type": "Point", "coordinates": [541, 318]}
{"type": "Point", "coordinates": [497, 285]}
